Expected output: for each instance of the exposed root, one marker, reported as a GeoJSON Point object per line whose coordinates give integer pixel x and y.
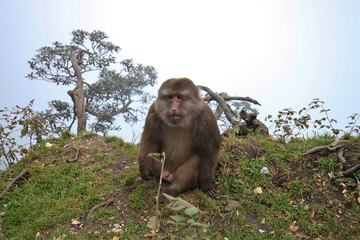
{"type": "Point", "coordinates": [77, 152]}
{"type": "Point", "coordinates": [13, 181]}
{"type": "Point", "coordinates": [94, 208]}
{"type": "Point", "coordinates": [339, 147]}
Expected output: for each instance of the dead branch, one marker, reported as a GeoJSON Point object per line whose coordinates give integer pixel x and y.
{"type": "Point", "coordinates": [314, 150]}
{"type": "Point", "coordinates": [13, 181]}
{"type": "Point", "coordinates": [230, 98]}
{"type": "Point", "coordinates": [331, 147]}
{"type": "Point", "coordinates": [222, 103]}
{"type": "Point", "coordinates": [77, 153]}
{"type": "Point", "coordinates": [337, 144]}
{"type": "Point", "coordinates": [94, 208]}
{"type": "Point", "coordinates": [339, 147]}
{"type": "Point", "coordinates": [223, 107]}
{"type": "Point", "coordinates": [351, 170]}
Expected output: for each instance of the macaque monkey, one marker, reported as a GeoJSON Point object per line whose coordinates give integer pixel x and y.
{"type": "Point", "coordinates": [183, 126]}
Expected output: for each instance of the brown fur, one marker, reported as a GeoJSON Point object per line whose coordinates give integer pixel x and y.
{"type": "Point", "coordinates": [191, 143]}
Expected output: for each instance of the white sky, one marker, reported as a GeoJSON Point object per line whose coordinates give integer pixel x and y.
{"type": "Point", "coordinates": [281, 53]}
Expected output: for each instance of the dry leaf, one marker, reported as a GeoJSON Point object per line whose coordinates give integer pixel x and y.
{"type": "Point", "coordinates": [258, 190]}
{"type": "Point", "coordinates": [75, 222]}
{"type": "Point", "coordinates": [148, 235]}
{"type": "Point", "coordinates": [293, 227]}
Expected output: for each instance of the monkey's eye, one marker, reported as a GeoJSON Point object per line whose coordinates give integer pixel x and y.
{"type": "Point", "coordinates": [181, 97]}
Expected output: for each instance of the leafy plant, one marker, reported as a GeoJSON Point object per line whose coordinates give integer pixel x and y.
{"type": "Point", "coordinates": [352, 124]}
{"type": "Point", "coordinates": [187, 217]}
{"type": "Point", "coordinates": [21, 122]}
{"type": "Point", "coordinates": [291, 123]}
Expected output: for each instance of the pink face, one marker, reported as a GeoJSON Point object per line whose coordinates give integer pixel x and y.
{"type": "Point", "coordinates": [175, 102]}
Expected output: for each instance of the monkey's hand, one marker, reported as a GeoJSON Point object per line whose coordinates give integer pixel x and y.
{"type": "Point", "coordinates": [145, 174]}
{"type": "Point", "coordinates": [209, 190]}
{"type": "Point", "coordinates": [211, 193]}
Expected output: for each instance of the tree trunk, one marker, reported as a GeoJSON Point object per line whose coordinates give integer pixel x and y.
{"type": "Point", "coordinates": [77, 95]}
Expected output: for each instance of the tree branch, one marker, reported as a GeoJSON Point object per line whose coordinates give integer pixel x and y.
{"type": "Point", "coordinates": [13, 181]}
{"type": "Point", "coordinates": [222, 103]}
{"type": "Point", "coordinates": [230, 98]}
{"type": "Point", "coordinates": [111, 114]}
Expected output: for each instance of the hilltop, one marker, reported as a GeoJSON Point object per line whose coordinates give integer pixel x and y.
{"type": "Point", "coordinates": [88, 187]}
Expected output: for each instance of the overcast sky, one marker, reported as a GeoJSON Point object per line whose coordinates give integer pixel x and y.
{"type": "Point", "coordinates": [281, 53]}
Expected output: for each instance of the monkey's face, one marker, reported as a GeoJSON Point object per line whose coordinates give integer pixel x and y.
{"type": "Point", "coordinates": [178, 102]}
{"type": "Point", "coordinates": [171, 107]}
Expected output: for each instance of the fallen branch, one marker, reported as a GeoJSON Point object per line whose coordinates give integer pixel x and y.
{"type": "Point", "coordinates": [314, 150]}
{"type": "Point", "coordinates": [338, 146]}
{"type": "Point", "coordinates": [77, 153]}
{"type": "Point", "coordinates": [351, 170]}
{"type": "Point", "coordinates": [331, 147]}
{"type": "Point", "coordinates": [94, 208]}
{"type": "Point", "coordinates": [13, 181]}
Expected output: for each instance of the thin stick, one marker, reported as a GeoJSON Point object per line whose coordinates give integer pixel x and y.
{"type": "Point", "coordinates": [77, 153]}
{"type": "Point", "coordinates": [158, 194]}
{"type": "Point", "coordinates": [92, 210]}
{"type": "Point", "coordinates": [13, 181]}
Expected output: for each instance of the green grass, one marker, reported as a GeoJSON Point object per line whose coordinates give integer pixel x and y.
{"type": "Point", "coordinates": [55, 191]}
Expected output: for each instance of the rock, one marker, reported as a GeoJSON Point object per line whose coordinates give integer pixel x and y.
{"type": "Point", "coordinates": [231, 205]}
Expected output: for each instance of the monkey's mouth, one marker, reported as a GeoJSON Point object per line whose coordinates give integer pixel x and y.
{"type": "Point", "coordinates": [175, 117]}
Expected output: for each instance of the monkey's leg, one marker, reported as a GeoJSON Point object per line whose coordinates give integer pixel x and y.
{"type": "Point", "coordinates": [185, 177]}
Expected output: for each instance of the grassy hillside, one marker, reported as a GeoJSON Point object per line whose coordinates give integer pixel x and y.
{"type": "Point", "coordinates": [302, 197]}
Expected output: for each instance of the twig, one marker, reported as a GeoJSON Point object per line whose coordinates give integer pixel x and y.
{"type": "Point", "coordinates": [351, 170]}
{"type": "Point", "coordinates": [158, 194]}
{"type": "Point", "coordinates": [77, 153]}
{"type": "Point", "coordinates": [94, 208]}
{"type": "Point", "coordinates": [13, 181]}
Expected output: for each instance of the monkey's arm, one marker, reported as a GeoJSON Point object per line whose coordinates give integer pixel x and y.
{"type": "Point", "coordinates": [149, 143]}
{"type": "Point", "coordinates": [208, 147]}
{"type": "Point", "coordinates": [144, 160]}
